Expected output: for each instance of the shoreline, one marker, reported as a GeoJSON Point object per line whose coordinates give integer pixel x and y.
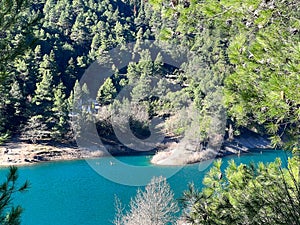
{"type": "Point", "coordinates": [184, 153]}
{"type": "Point", "coordinates": [168, 153]}
{"type": "Point", "coordinates": [36, 162]}
{"type": "Point", "coordinates": [18, 153]}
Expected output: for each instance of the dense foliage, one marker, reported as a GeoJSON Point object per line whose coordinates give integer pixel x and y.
{"type": "Point", "coordinates": [15, 37]}
{"type": "Point", "coordinates": [68, 36]}
{"type": "Point", "coordinates": [246, 194]}
{"type": "Point", "coordinates": [251, 49]}
{"type": "Point", "coordinates": [242, 70]}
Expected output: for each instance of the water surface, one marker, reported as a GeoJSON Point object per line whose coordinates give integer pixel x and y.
{"type": "Point", "coordinates": [72, 193]}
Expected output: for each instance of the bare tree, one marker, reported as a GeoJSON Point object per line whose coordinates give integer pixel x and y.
{"type": "Point", "coordinates": [119, 212]}
{"type": "Point", "coordinates": [154, 206]}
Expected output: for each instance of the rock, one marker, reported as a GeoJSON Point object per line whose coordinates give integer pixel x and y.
{"type": "Point", "coordinates": [39, 158]}
{"type": "Point", "coordinates": [180, 154]}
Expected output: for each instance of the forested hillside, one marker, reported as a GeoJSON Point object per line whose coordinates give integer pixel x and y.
{"type": "Point", "coordinates": [65, 39]}
{"type": "Point", "coordinates": [243, 69]}
{"type": "Point", "coordinates": [249, 50]}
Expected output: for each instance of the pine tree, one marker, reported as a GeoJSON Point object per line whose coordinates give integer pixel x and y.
{"type": "Point", "coordinates": [43, 97]}
{"type": "Point", "coordinates": [49, 64]}
{"type": "Point", "coordinates": [79, 32]}
{"type": "Point", "coordinates": [158, 65]}
{"type": "Point", "coordinates": [142, 90]}
{"type": "Point", "coordinates": [120, 34]}
{"type": "Point", "coordinates": [71, 73]}
{"type": "Point", "coordinates": [78, 6]}
{"type": "Point", "coordinates": [39, 125]}
{"type": "Point", "coordinates": [107, 92]}
{"type": "Point", "coordinates": [32, 60]}
{"type": "Point", "coordinates": [82, 111]}
{"type": "Point", "coordinates": [75, 99]}
{"type": "Point", "coordinates": [95, 45]}
{"type": "Point", "coordinates": [137, 47]}
{"type": "Point", "coordinates": [60, 113]}
{"type": "Point", "coordinates": [246, 194]}
{"type": "Point", "coordinates": [15, 37]}
{"type": "Point", "coordinates": [85, 94]}
{"type": "Point", "coordinates": [10, 215]}
{"type": "Point", "coordinates": [16, 111]}
{"type": "Point", "coordinates": [65, 19]}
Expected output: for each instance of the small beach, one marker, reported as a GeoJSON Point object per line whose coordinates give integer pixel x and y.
{"type": "Point", "coordinates": [22, 153]}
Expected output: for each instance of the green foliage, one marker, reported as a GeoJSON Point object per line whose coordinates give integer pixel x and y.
{"type": "Point", "coordinates": [75, 99]}
{"type": "Point", "coordinates": [251, 49]}
{"type": "Point", "coordinates": [246, 194]}
{"type": "Point", "coordinates": [259, 91]}
{"type": "Point", "coordinates": [15, 29]}
{"type": "Point", "coordinates": [71, 35]}
{"type": "Point", "coordinates": [246, 51]}
{"type": "Point", "coordinates": [9, 214]}
{"type": "Point", "coordinates": [107, 92]}
{"type": "Point", "coordinates": [44, 91]}
{"type": "Point", "coordinates": [15, 35]}
{"type": "Point", "coordinates": [61, 113]}
{"type": "Point", "coordinates": [81, 110]}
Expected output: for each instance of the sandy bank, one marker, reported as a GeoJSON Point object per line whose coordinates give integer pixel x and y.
{"type": "Point", "coordinates": [21, 153]}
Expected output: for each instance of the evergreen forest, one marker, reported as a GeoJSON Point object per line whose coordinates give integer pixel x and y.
{"type": "Point", "coordinates": [241, 72]}
{"type": "Point", "coordinates": [246, 55]}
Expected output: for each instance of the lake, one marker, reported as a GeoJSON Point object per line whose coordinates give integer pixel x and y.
{"type": "Point", "coordinates": [74, 193]}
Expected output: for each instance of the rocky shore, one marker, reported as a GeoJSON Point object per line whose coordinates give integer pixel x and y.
{"type": "Point", "coordinates": [22, 153]}
{"type": "Point", "coordinates": [170, 152]}
{"type": "Point", "coordinates": [17, 153]}
{"type": "Point", "coordinates": [181, 154]}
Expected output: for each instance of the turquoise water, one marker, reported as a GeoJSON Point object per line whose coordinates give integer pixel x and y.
{"type": "Point", "coordinates": [72, 193]}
